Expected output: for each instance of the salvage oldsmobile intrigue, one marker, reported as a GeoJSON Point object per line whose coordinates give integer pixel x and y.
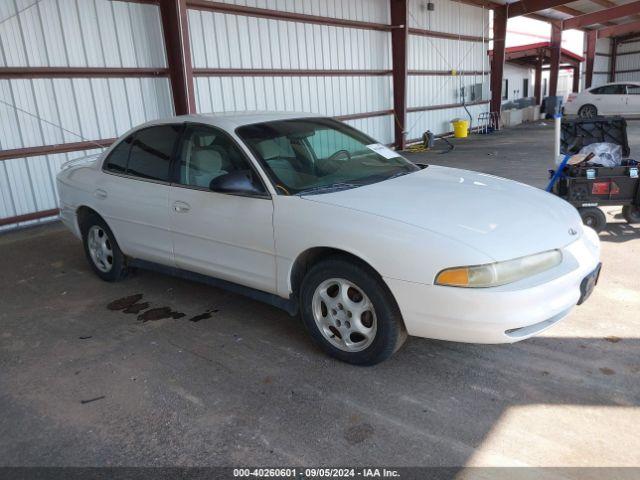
{"type": "Point", "coordinates": [316, 217]}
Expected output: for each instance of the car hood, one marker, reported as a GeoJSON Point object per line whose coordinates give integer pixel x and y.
{"type": "Point", "coordinates": [502, 218]}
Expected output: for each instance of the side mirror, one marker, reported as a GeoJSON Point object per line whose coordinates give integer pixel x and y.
{"type": "Point", "coordinates": [238, 183]}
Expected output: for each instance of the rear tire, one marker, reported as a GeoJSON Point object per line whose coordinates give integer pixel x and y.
{"type": "Point", "coordinates": [631, 214]}
{"type": "Point", "coordinates": [101, 249]}
{"type": "Point", "coordinates": [588, 111]}
{"type": "Point", "coordinates": [350, 313]}
{"type": "Point", "coordinates": [593, 217]}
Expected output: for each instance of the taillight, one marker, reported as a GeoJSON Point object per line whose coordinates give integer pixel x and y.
{"type": "Point", "coordinates": [605, 188]}
{"type": "Point", "coordinates": [571, 97]}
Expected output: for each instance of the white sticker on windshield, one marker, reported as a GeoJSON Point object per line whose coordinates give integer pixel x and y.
{"type": "Point", "coordinates": [383, 150]}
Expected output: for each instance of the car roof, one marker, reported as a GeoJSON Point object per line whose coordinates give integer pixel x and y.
{"type": "Point", "coordinates": [615, 83]}
{"type": "Point", "coordinates": [231, 120]}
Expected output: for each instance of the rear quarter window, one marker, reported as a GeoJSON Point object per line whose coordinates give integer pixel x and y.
{"type": "Point", "coordinates": [119, 157]}
{"type": "Point", "coordinates": [146, 154]}
{"type": "Point", "coordinates": [151, 152]}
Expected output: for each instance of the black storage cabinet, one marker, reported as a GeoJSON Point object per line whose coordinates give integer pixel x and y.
{"type": "Point", "coordinates": [587, 187]}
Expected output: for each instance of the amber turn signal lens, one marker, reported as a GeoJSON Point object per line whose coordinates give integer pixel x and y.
{"type": "Point", "coordinates": [454, 277]}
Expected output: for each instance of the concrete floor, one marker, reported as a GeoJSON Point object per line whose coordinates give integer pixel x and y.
{"type": "Point", "coordinates": [84, 385]}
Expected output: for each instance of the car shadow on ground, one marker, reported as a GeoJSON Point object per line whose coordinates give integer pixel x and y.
{"type": "Point", "coordinates": [88, 385]}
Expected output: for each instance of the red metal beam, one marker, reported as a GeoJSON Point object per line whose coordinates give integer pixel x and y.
{"type": "Point", "coordinates": [399, 47]}
{"type": "Point", "coordinates": [451, 36]}
{"type": "Point", "coordinates": [602, 16]}
{"type": "Point", "coordinates": [631, 38]}
{"type": "Point", "coordinates": [282, 15]}
{"type": "Point", "coordinates": [29, 216]}
{"type": "Point", "coordinates": [610, 4]}
{"type": "Point", "coordinates": [556, 47]}
{"type": "Point", "coordinates": [576, 79]}
{"type": "Point", "coordinates": [176, 38]}
{"type": "Point", "coordinates": [614, 59]}
{"type": "Point", "coordinates": [276, 72]}
{"type": "Point", "coordinates": [529, 6]}
{"type": "Point", "coordinates": [497, 62]}
{"type": "Point", "coordinates": [619, 30]}
{"type": "Point", "coordinates": [592, 37]}
{"type": "Point", "coordinates": [357, 116]}
{"type": "Point", "coordinates": [537, 87]}
{"type": "Point", "coordinates": [631, 52]}
{"type": "Point", "coordinates": [51, 149]}
{"type": "Point", "coordinates": [428, 108]}
{"type": "Point", "coordinates": [568, 10]}
{"type": "Point", "coordinates": [80, 72]}
{"type": "Point", "coordinates": [480, 3]}
{"type": "Point", "coordinates": [446, 73]}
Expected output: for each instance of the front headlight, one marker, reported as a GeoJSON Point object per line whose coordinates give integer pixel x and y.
{"type": "Point", "coordinates": [499, 273]}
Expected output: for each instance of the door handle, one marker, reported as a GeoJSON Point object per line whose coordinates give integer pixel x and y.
{"type": "Point", "coordinates": [99, 193]}
{"type": "Point", "coordinates": [181, 207]}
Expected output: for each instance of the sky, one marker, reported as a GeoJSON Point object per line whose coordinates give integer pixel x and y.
{"type": "Point", "coordinates": [523, 31]}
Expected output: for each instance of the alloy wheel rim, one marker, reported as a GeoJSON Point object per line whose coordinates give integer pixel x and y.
{"type": "Point", "coordinates": [344, 314]}
{"type": "Point", "coordinates": [100, 248]}
{"type": "Point", "coordinates": [589, 112]}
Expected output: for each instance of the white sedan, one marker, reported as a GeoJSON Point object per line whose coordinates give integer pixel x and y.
{"type": "Point", "coordinates": [621, 98]}
{"type": "Point", "coordinates": [315, 217]}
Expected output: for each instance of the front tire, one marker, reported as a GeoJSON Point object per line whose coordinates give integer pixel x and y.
{"type": "Point", "coordinates": [631, 214]}
{"type": "Point", "coordinates": [350, 313]}
{"type": "Point", "coordinates": [588, 111]}
{"type": "Point", "coordinates": [593, 217]}
{"type": "Point", "coordinates": [101, 249]}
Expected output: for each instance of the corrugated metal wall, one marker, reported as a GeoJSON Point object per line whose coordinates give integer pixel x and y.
{"type": "Point", "coordinates": [445, 54]}
{"type": "Point", "coordinates": [628, 62]}
{"type": "Point", "coordinates": [70, 33]}
{"type": "Point", "coordinates": [364, 10]}
{"type": "Point", "coordinates": [290, 45]}
{"type": "Point", "coordinates": [601, 63]}
{"type": "Point", "coordinates": [120, 34]}
{"type": "Point", "coordinates": [66, 33]}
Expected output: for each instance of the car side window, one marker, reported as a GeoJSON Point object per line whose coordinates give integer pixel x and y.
{"type": "Point", "coordinates": [633, 89]}
{"type": "Point", "coordinates": [208, 153]}
{"type": "Point", "coordinates": [151, 152]}
{"type": "Point", "coordinates": [609, 90]}
{"type": "Point", "coordinates": [119, 157]}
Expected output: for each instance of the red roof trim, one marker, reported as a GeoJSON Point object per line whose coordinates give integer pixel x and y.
{"type": "Point", "coordinates": [535, 46]}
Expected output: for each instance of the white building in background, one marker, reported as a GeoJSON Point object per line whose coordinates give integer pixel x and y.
{"type": "Point", "coordinates": [519, 80]}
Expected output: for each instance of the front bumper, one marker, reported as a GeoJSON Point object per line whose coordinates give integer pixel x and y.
{"type": "Point", "coordinates": [504, 314]}
{"type": "Point", "coordinates": [69, 219]}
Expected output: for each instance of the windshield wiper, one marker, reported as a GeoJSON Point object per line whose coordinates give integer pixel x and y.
{"type": "Point", "coordinates": [332, 187]}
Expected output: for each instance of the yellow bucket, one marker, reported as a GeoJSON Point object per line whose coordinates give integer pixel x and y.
{"type": "Point", "coordinates": [460, 128]}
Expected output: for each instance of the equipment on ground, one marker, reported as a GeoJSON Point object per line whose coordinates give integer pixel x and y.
{"type": "Point", "coordinates": [428, 143]}
{"type": "Point", "coordinates": [588, 186]}
{"type": "Point", "coordinates": [488, 122]}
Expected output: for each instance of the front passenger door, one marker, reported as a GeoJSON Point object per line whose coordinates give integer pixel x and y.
{"type": "Point", "coordinates": [222, 235]}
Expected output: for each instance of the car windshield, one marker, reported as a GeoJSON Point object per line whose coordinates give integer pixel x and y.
{"type": "Point", "coordinates": [318, 155]}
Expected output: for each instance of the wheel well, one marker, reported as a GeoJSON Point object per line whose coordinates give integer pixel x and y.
{"type": "Point", "coordinates": [313, 256]}
{"type": "Point", "coordinates": [82, 213]}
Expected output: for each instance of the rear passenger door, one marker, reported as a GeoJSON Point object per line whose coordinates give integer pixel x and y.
{"type": "Point", "coordinates": [133, 196]}
{"type": "Point", "coordinates": [610, 99]}
{"type": "Point", "coordinates": [633, 100]}
{"type": "Point", "coordinates": [222, 235]}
